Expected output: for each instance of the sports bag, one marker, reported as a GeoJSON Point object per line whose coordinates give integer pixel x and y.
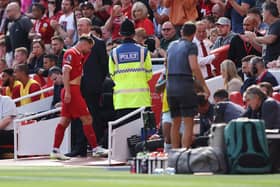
{"type": "Point", "coordinates": [202, 159]}
{"type": "Point", "coordinates": [247, 149]}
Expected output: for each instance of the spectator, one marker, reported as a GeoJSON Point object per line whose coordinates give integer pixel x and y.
{"type": "Point", "coordinates": [140, 16]}
{"type": "Point", "coordinates": [248, 78]}
{"type": "Point", "coordinates": [3, 16]}
{"type": "Point", "coordinates": [232, 81]}
{"type": "Point", "coordinates": [258, 70]}
{"type": "Point", "coordinates": [224, 31]}
{"type": "Point", "coordinates": [29, 85]}
{"type": "Point", "coordinates": [54, 11]}
{"type": "Point", "coordinates": [182, 99]}
{"type": "Point", "coordinates": [140, 36]}
{"type": "Point", "coordinates": [261, 26]}
{"type": "Point", "coordinates": [49, 61]}
{"type": "Point", "coordinates": [218, 11]}
{"type": "Point", "coordinates": [78, 13]}
{"type": "Point", "coordinates": [271, 41]}
{"type": "Point", "coordinates": [126, 8]}
{"type": "Point", "coordinates": [237, 12]}
{"type": "Point", "coordinates": [213, 35]}
{"type": "Point", "coordinates": [41, 28]}
{"type": "Point", "coordinates": [96, 31]}
{"type": "Point", "coordinates": [19, 28]}
{"type": "Point", "coordinates": [20, 56]}
{"type": "Point", "coordinates": [4, 54]}
{"type": "Point", "coordinates": [266, 87]}
{"type": "Point", "coordinates": [55, 74]}
{"type": "Point", "coordinates": [181, 11]}
{"type": "Point", "coordinates": [203, 45]}
{"type": "Point", "coordinates": [65, 27]}
{"type": "Point", "coordinates": [88, 12]}
{"type": "Point", "coordinates": [239, 48]}
{"type": "Point", "coordinates": [10, 86]}
{"type": "Point", "coordinates": [35, 59]}
{"type": "Point", "coordinates": [161, 15]}
{"type": "Point", "coordinates": [169, 35]}
{"type": "Point", "coordinates": [114, 22]}
{"type": "Point", "coordinates": [220, 95]}
{"type": "Point", "coordinates": [262, 107]}
{"type": "Point", "coordinates": [7, 114]}
{"type": "Point", "coordinates": [57, 45]}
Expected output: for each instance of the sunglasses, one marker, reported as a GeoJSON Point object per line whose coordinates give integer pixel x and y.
{"type": "Point", "coordinates": [51, 2]}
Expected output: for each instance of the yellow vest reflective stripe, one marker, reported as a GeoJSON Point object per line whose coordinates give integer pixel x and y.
{"type": "Point", "coordinates": [131, 80]}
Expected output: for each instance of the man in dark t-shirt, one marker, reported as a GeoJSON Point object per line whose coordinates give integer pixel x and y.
{"type": "Point", "coordinates": [182, 99]}
{"type": "Point", "coordinates": [271, 41]}
{"type": "Point", "coordinates": [19, 28]}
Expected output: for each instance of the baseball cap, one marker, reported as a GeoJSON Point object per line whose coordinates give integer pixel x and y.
{"type": "Point", "coordinates": [223, 21]}
{"type": "Point", "coordinates": [86, 4]}
{"type": "Point", "coordinates": [127, 28]}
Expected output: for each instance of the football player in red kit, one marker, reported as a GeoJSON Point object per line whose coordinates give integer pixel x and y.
{"type": "Point", "coordinates": [73, 104]}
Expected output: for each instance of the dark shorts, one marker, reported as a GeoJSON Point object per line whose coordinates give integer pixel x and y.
{"type": "Point", "coordinates": [182, 106]}
{"type": "Point", "coordinates": [77, 106]}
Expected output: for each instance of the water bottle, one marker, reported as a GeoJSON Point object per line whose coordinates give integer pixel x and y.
{"type": "Point", "coordinates": [170, 171]}
{"type": "Point", "coordinates": [158, 171]}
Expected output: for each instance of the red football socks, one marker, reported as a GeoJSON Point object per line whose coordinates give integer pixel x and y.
{"type": "Point", "coordinates": [59, 135]}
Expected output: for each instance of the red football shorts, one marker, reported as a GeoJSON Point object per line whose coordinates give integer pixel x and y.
{"type": "Point", "coordinates": [77, 106]}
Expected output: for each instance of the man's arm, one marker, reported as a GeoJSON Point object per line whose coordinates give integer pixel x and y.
{"type": "Point", "coordinates": [197, 73]}
{"type": "Point", "coordinates": [5, 122]}
{"type": "Point", "coordinates": [268, 39]}
{"type": "Point", "coordinates": [269, 113]}
{"type": "Point", "coordinates": [240, 9]}
{"type": "Point", "coordinates": [66, 82]}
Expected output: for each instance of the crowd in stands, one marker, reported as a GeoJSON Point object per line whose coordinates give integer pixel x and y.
{"type": "Point", "coordinates": [34, 35]}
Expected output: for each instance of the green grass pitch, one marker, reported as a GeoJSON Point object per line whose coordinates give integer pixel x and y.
{"type": "Point", "coordinates": [99, 177]}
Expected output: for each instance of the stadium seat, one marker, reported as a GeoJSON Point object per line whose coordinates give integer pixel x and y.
{"type": "Point", "coordinates": [276, 96]}
{"type": "Point", "coordinates": [236, 98]}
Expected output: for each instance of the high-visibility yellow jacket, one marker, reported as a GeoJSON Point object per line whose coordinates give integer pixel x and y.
{"type": "Point", "coordinates": [130, 68]}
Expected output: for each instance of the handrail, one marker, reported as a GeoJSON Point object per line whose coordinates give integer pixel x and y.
{"type": "Point", "coordinates": [126, 116]}
{"type": "Point", "coordinates": [110, 128]}
{"type": "Point", "coordinates": [39, 115]}
{"type": "Point", "coordinates": [33, 94]}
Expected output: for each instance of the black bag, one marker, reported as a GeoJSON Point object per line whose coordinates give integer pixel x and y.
{"type": "Point", "coordinates": [150, 145]}
{"type": "Point", "coordinates": [131, 142]}
{"type": "Point", "coordinates": [202, 159]}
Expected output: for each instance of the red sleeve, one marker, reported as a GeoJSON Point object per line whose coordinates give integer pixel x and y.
{"type": "Point", "coordinates": [149, 27]}
{"type": "Point", "coordinates": [16, 94]}
{"type": "Point", "coordinates": [34, 88]}
{"type": "Point", "coordinates": [67, 59]}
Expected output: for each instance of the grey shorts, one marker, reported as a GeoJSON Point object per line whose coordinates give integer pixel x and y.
{"type": "Point", "coordinates": [182, 106]}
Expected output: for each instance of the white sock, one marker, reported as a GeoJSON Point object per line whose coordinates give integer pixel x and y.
{"type": "Point", "coordinates": [56, 150]}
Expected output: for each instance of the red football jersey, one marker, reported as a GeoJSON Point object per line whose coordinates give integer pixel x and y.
{"type": "Point", "coordinates": [74, 60]}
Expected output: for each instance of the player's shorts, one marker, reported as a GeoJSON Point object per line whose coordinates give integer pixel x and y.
{"type": "Point", "coordinates": [77, 106]}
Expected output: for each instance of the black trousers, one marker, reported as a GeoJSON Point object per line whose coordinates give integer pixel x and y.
{"type": "Point", "coordinates": [99, 125]}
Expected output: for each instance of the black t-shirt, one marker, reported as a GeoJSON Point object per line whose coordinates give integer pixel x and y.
{"type": "Point", "coordinates": [272, 50]}
{"type": "Point", "coordinates": [18, 33]}
{"type": "Point", "coordinates": [239, 49]}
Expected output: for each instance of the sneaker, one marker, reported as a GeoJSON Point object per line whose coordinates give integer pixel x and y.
{"type": "Point", "coordinates": [99, 151]}
{"type": "Point", "coordinates": [58, 156]}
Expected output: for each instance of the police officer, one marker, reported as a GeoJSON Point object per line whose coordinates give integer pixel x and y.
{"type": "Point", "coordinates": [130, 68]}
